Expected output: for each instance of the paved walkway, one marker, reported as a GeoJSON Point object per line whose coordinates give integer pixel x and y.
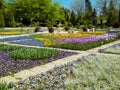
{"type": "Point", "coordinates": [22, 75]}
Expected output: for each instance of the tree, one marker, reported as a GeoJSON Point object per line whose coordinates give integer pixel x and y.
{"type": "Point", "coordinates": [78, 6]}
{"type": "Point", "coordinates": [88, 12]}
{"type": "Point", "coordinates": [9, 19]}
{"type": "Point", "coordinates": [111, 14]}
{"type": "Point", "coordinates": [94, 17]}
{"type": "Point", "coordinates": [2, 22]}
{"type": "Point", "coordinates": [73, 18]}
{"type": "Point", "coordinates": [54, 15]}
{"type": "Point", "coordinates": [119, 15]}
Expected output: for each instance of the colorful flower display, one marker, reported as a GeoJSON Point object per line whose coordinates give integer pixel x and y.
{"type": "Point", "coordinates": [85, 40]}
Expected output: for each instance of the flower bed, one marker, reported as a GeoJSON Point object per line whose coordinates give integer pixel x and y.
{"type": "Point", "coordinates": [12, 32]}
{"type": "Point", "coordinates": [114, 49]}
{"type": "Point", "coordinates": [83, 43]}
{"type": "Point", "coordinates": [12, 61]}
{"type": "Point", "coordinates": [93, 72]}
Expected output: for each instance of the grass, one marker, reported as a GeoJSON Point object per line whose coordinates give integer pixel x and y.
{"type": "Point", "coordinates": [34, 53]}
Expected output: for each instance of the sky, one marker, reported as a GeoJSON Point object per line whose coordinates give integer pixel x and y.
{"type": "Point", "coordinates": [66, 3]}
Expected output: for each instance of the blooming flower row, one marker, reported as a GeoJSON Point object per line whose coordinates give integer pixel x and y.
{"type": "Point", "coordinates": [85, 40]}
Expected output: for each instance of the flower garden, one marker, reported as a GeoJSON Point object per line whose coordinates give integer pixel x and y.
{"type": "Point", "coordinates": [95, 71]}
{"type": "Point", "coordinates": [12, 32]}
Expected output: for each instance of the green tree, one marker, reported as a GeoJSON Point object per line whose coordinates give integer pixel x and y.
{"type": "Point", "coordinates": [94, 17]}
{"type": "Point", "coordinates": [2, 22]}
{"type": "Point", "coordinates": [119, 15]}
{"type": "Point", "coordinates": [111, 14]}
{"type": "Point", "coordinates": [73, 18]}
{"type": "Point", "coordinates": [9, 19]}
{"type": "Point", "coordinates": [88, 11]}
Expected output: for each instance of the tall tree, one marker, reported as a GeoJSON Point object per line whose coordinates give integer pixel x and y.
{"type": "Point", "coordinates": [2, 22]}
{"type": "Point", "coordinates": [94, 17]}
{"type": "Point", "coordinates": [73, 18]}
{"type": "Point", "coordinates": [9, 19]}
{"type": "Point", "coordinates": [78, 6]}
{"type": "Point", "coordinates": [88, 11]}
{"type": "Point", "coordinates": [111, 14]}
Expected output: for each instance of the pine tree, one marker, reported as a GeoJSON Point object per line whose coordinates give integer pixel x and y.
{"type": "Point", "coordinates": [94, 17]}
{"type": "Point", "coordinates": [119, 14]}
{"type": "Point", "coordinates": [88, 11]}
{"type": "Point", "coordinates": [111, 14]}
{"type": "Point", "coordinates": [73, 18]}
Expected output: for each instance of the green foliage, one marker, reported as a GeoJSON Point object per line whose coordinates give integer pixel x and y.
{"type": "Point", "coordinates": [111, 14]}
{"type": "Point", "coordinates": [34, 53]}
{"type": "Point", "coordinates": [2, 22]}
{"type": "Point", "coordinates": [94, 17]}
{"type": "Point", "coordinates": [82, 46]}
{"type": "Point", "coordinates": [73, 18]}
{"type": "Point", "coordinates": [3, 86]}
{"type": "Point", "coordinates": [9, 19]}
{"type": "Point", "coordinates": [9, 48]}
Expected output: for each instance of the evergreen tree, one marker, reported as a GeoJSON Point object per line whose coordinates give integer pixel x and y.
{"type": "Point", "coordinates": [67, 15]}
{"type": "Point", "coordinates": [79, 19]}
{"type": "Point", "coordinates": [73, 18]}
{"type": "Point", "coordinates": [94, 17]}
{"type": "Point", "coordinates": [88, 11]}
{"type": "Point", "coordinates": [111, 14]}
{"type": "Point", "coordinates": [119, 14]}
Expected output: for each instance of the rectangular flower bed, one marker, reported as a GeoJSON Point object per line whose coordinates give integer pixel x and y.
{"type": "Point", "coordinates": [114, 49]}
{"type": "Point", "coordinates": [79, 43]}
{"type": "Point", "coordinates": [94, 72]}
{"type": "Point", "coordinates": [14, 59]}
